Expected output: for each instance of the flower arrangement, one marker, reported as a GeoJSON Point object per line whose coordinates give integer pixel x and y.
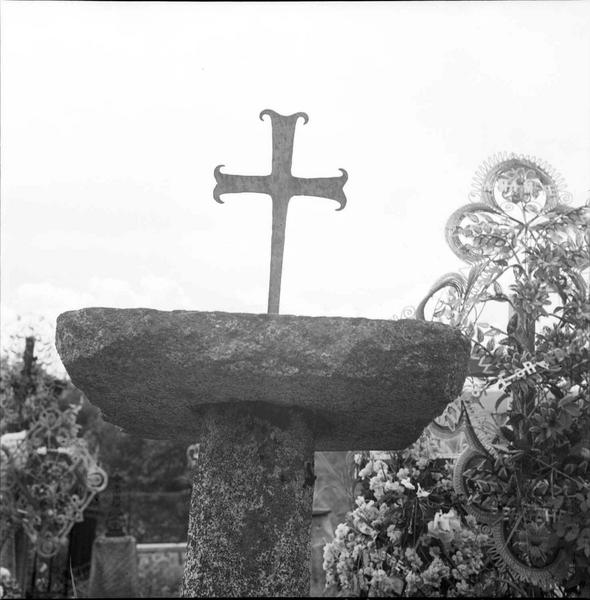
{"type": "Point", "coordinates": [9, 587]}
{"type": "Point", "coordinates": [409, 534]}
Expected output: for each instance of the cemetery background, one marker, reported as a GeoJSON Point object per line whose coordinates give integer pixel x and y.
{"type": "Point", "coordinates": [344, 281]}
{"type": "Point", "coordinates": [562, 234]}
{"type": "Point", "coordinates": [155, 492]}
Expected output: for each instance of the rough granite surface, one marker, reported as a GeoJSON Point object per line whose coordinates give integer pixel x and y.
{"type": "Point", "coordinates": [251, 507]}
{"type": "Point", "coordinates": [362, 383]}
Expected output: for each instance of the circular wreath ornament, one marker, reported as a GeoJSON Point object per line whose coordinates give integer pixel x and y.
{"type": "Point", "coordinates": [505, 525]}
{"type": "Point", "coordinates": [510, 191]}
{"type": "Point", "coordinates": [507, 180]}
{"type": "Point", "coordinates": [48, 480]}
{"type": "Point", "coordinates": [514, 197]}
{"type": "Point", "coordinates": [474, 477]}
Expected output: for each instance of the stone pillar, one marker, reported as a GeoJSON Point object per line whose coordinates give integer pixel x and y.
{"type": "Point", "coordinates": [251, 508]}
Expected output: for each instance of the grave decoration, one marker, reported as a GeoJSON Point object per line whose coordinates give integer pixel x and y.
{"type": "Point", "coordinates": [260, 393]}
{"type": "Point", "coordinates": [524, 469]}
{"type": "Point", "coordinates": [47, 474]}
{"type": "Point", "coordinates": [511, 517]}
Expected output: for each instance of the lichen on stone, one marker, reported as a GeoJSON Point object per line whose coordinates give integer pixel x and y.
{"type": "Point", "coordinates": [251, 508]}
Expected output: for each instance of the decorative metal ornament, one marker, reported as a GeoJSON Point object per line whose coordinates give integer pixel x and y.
{"type": "Point", "coordinates": [508, 179]}
{"type": "Point", "coordinates": [479, 446]}
{"type": "Point", "coordinates": [515, 200]}
{"type": "Point", "coordinates": [407, 312]}
{"type": "Point", "coordinates": [49, 480]}
{"type": "Point", "coordinates": [495, 521]}
{"type": "Point", "coordinates": [510, 193]}
{"type": "Point", "coordinates": [513, 196]}
{"type": "Point", "coordinates": [281, 186]}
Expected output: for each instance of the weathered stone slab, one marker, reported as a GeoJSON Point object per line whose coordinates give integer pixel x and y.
{"type": "Point", "coordinates": [362, 384]}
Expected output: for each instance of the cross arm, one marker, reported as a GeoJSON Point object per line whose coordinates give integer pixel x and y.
{"type": "Point", "coordinates": [236, 184]}
{"type": "Point", "coordinates": [322, 187]}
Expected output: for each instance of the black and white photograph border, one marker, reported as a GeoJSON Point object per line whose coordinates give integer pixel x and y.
{"type": "Point", "coordinates": [294, 299]}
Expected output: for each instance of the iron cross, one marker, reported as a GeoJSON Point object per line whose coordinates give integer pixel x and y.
{"type": "Point", "coordinates": [281, 186]}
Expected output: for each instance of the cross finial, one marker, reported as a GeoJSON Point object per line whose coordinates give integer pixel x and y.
{"type": "Point", "coordinates": [281, 186]}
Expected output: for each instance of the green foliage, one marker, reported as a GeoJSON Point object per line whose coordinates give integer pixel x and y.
{"type": "Point", "coordinates": [145, 465]}
{"type": "Point", "coordinates": [26, 389]}
{"type": "Point", "coordinates": [160, 578]}
{"type": "Point", "coordinates": [156, 483]}
{"type": "Point", "coordinates": [536, 470]}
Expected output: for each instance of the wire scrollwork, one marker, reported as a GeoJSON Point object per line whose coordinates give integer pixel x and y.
{"type": "Point", "coordinates": [48, 480]}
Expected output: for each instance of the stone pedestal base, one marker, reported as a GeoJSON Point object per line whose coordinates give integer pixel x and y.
{"type": "Point", "coordinates": [367, 384]}
{"type": "Point", "coordinates": [251, 508]}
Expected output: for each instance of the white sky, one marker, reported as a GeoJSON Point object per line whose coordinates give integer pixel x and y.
{"type": "Point", "coordinates": [114, 116]}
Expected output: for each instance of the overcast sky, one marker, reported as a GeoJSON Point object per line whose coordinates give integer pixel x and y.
{"type": "Point", "coordinates": [114, 116]}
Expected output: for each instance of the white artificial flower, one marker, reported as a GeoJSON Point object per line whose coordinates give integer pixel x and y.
{"type": "Point", "coordinates": [393, 486]}
{"type": "Point", "coordinates": [403, 474]}
{"type": "Point", "coordinates": [377, 486]}
{"type": "Point", "coordinates": [394, 534]}
{"type": "Point", "coordinates": [366, 470]}
{"type": "Point", "coordinates": [341, 530]}
{"type": "Point", "coordinates": [422, 493]}
{"type": "Point", "coordinates": [380, 455]}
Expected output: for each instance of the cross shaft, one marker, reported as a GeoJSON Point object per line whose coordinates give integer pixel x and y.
{"type": "Point", "coordinates": [281, 186]}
